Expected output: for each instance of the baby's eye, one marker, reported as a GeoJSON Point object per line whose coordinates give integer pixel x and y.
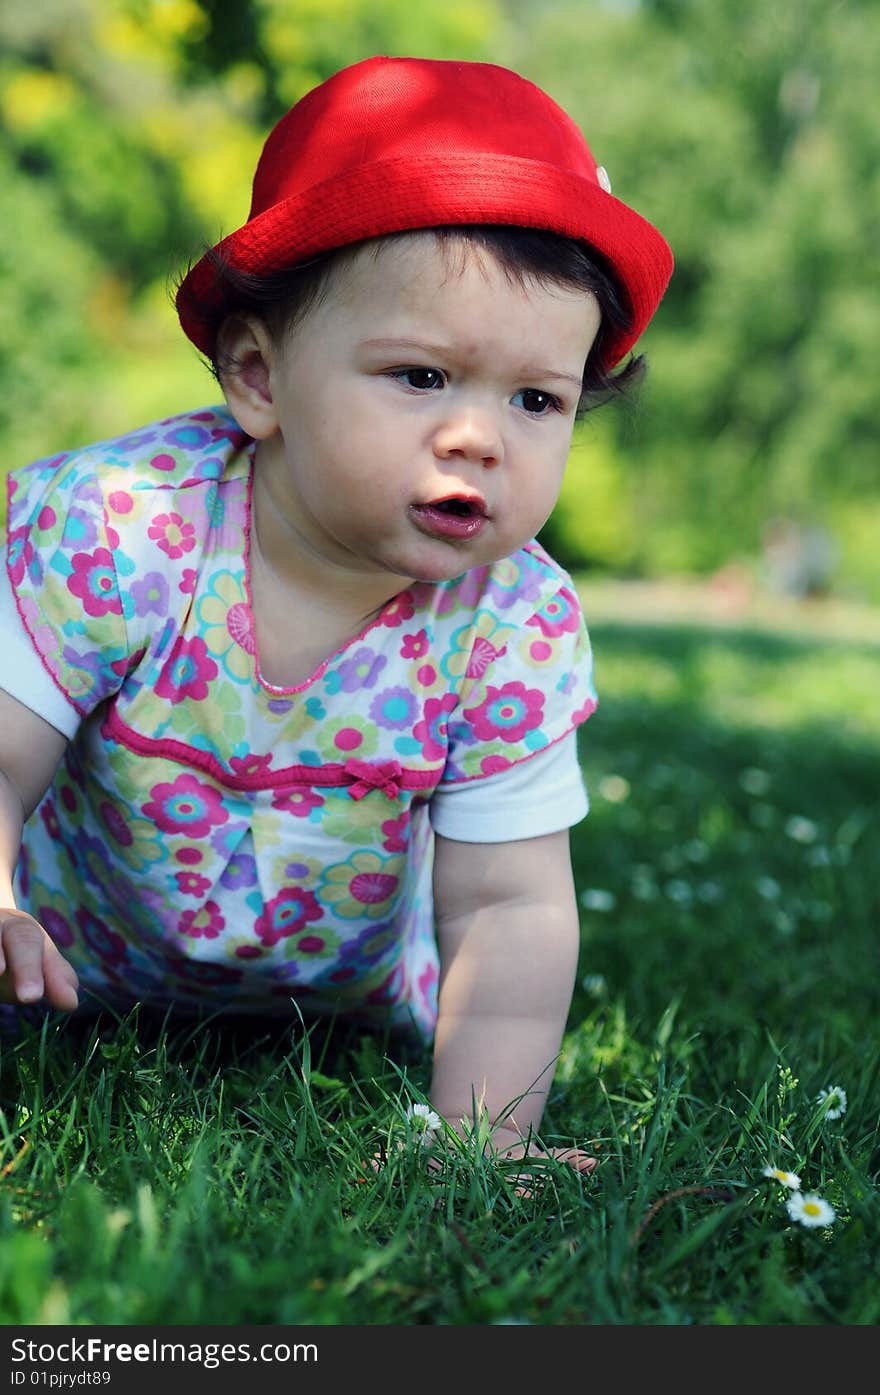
{"type": "Point", "coordinates": [424, 379]}
{"type": "Point", "coordinates": [535, 402]}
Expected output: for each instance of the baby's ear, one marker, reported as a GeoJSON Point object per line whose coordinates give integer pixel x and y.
{"type": "Point", "coordinates": [244, 358]}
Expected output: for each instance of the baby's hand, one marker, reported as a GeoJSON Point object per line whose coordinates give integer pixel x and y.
{"type": "Point", "coordinates": [509, 1146]}
{"type": "Point", "coordinates": [31, 967]}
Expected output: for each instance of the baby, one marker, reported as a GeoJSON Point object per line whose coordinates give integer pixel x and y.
{"type": "Point", "coordinates": [289, 693]}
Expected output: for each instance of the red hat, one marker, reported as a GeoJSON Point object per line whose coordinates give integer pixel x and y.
{"type": "Point", "coordinates": [393, 144]}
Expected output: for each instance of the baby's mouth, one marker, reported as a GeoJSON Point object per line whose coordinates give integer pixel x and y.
{"type": "Point", "coordinates": [456, 517]}
{"type": "Point", "coordinates": [463, 508]}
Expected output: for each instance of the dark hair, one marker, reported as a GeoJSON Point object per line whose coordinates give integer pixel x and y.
{"type": "Point", "coordinates": [282, 298]}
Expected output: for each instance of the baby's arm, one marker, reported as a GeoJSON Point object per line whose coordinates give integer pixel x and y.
{"type": "Point", "coordinates": [507, 926]}
{"type": "Point", "coordinates": [30, 965]}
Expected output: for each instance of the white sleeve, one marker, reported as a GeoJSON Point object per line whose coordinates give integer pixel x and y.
{"type": "Point", "coordinates": [22, 674]}
{"type": "Point", "coordinates": [541, 795]}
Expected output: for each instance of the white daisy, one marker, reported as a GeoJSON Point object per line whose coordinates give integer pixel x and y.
{"type": "Point", "coordinates": [424, 1121]}
{"type": "Point", "coordinates": [810, 1210]}
{"type": "Point", "coordinates": [785, 1179]}
{"type": "Point", "coordinates": [834, 1100]}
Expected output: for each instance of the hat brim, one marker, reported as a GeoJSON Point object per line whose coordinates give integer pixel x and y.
{"type": "Point", "coordinates": [403, 195]}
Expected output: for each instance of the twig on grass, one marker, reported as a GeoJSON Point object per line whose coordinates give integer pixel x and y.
{"type": "Point", "coordinates": [716, 1193]}
{"type": "Point", "coordinates": [13, 1162]}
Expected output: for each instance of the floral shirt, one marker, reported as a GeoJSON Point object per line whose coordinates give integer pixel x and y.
{"type": "Point", "coordinates": [208, 835]}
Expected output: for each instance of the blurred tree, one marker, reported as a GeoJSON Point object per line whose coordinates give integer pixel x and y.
{"type": "Point", "coordinates": [97, 216]}
{"type": "Point", "coordinates": [746, 132]}
{"type": "Point", "coordinates": [129, 130]}
{"type": "Point", "coordinates": [48, 279]}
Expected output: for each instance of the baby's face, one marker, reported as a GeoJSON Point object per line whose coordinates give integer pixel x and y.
{"type": "Point", "coordinates": [421, 413]}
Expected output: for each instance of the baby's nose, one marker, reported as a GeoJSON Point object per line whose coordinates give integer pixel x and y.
{"type": "Point", "coordinates": [471, 433]}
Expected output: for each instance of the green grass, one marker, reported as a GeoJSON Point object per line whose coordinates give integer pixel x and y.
{"type": "Point", "coordinates": [160, 1173]}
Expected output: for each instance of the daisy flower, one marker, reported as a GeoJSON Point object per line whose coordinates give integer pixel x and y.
{"type": "Point", "coordinates": [786, 1179]}
{"type": "Point", "coordinates": [834, 1100]}
{"type": "Point", "coordinates": [810, 1210]}
{"type": "Point", "coordinates": [424, 1121]}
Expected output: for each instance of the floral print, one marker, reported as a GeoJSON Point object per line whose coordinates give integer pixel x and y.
{"type": "Point", "coordinates": [209, 836]}
{"type": "Point", "coordinates": [287, 914]}
{"type": "Point", "coordinates": [172, 534]}
{"type": "Point", "coordinates": [94, 582]}
{"type": "Point", "coordinates": [241, 870]}
{"type": "Point", "coordinates": [134, 840]}
{"type": "Point", "coordinates": [432, 730]}
{"type": "Point", "coordinates": [415, 646]}
{"type": "Point", "coordinates": [229, 631]}
{"type": "Point", "coordinates": [363, 885]}
{"type": "Point", "coordinates": [347, 736]}
{"type": "Point", "coordinates": [299, 802]}
{"type": "Point", "coordinates": [208, 920]}
{"type": "Point", "coordinates": [476, 646]}
{"type": "Point", "coordinates": [150, 594]}
{"type": "Point", "coordinates": [188, 673]}
{"type": "Point", "coordinates": [187, 805]}
{"type": "Point", "coordinates": [362, 670]}
{"type": "Point", "coordinates": [394, 708]}
{"type": "Point", "coordinates": [509, 712]}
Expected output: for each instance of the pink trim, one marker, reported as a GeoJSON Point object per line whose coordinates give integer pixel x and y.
{"type": "Point", "coordinates": [351, 773]}
{"type": "Point", "coordinates": [249, 597]}
{"type": "Point", "coordinates": [483, 775]}
{"type": "Point", "coordinates": [80, 711]}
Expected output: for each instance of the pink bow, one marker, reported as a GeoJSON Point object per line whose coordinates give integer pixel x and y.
{"type": "Point", "coordinates": [367, 777]}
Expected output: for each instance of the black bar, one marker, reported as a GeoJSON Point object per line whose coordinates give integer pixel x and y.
{"type": "Point", "coordinates": [128, 1360]}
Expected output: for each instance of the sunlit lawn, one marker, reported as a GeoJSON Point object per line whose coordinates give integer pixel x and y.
{"type": "Point", "coordinates": [729, 972]}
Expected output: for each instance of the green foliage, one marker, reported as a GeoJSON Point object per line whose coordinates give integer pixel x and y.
{"type": "Point", "coordinates": [306, 42]}
{"type": "Point", "coordinates": [129, 131]}
{"type": "Point", "coordinates": [49, 382]}
{"type": "Point", "coordinates": [592, 522]}
{"type": "Point", "coordinates": [740, 130]}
